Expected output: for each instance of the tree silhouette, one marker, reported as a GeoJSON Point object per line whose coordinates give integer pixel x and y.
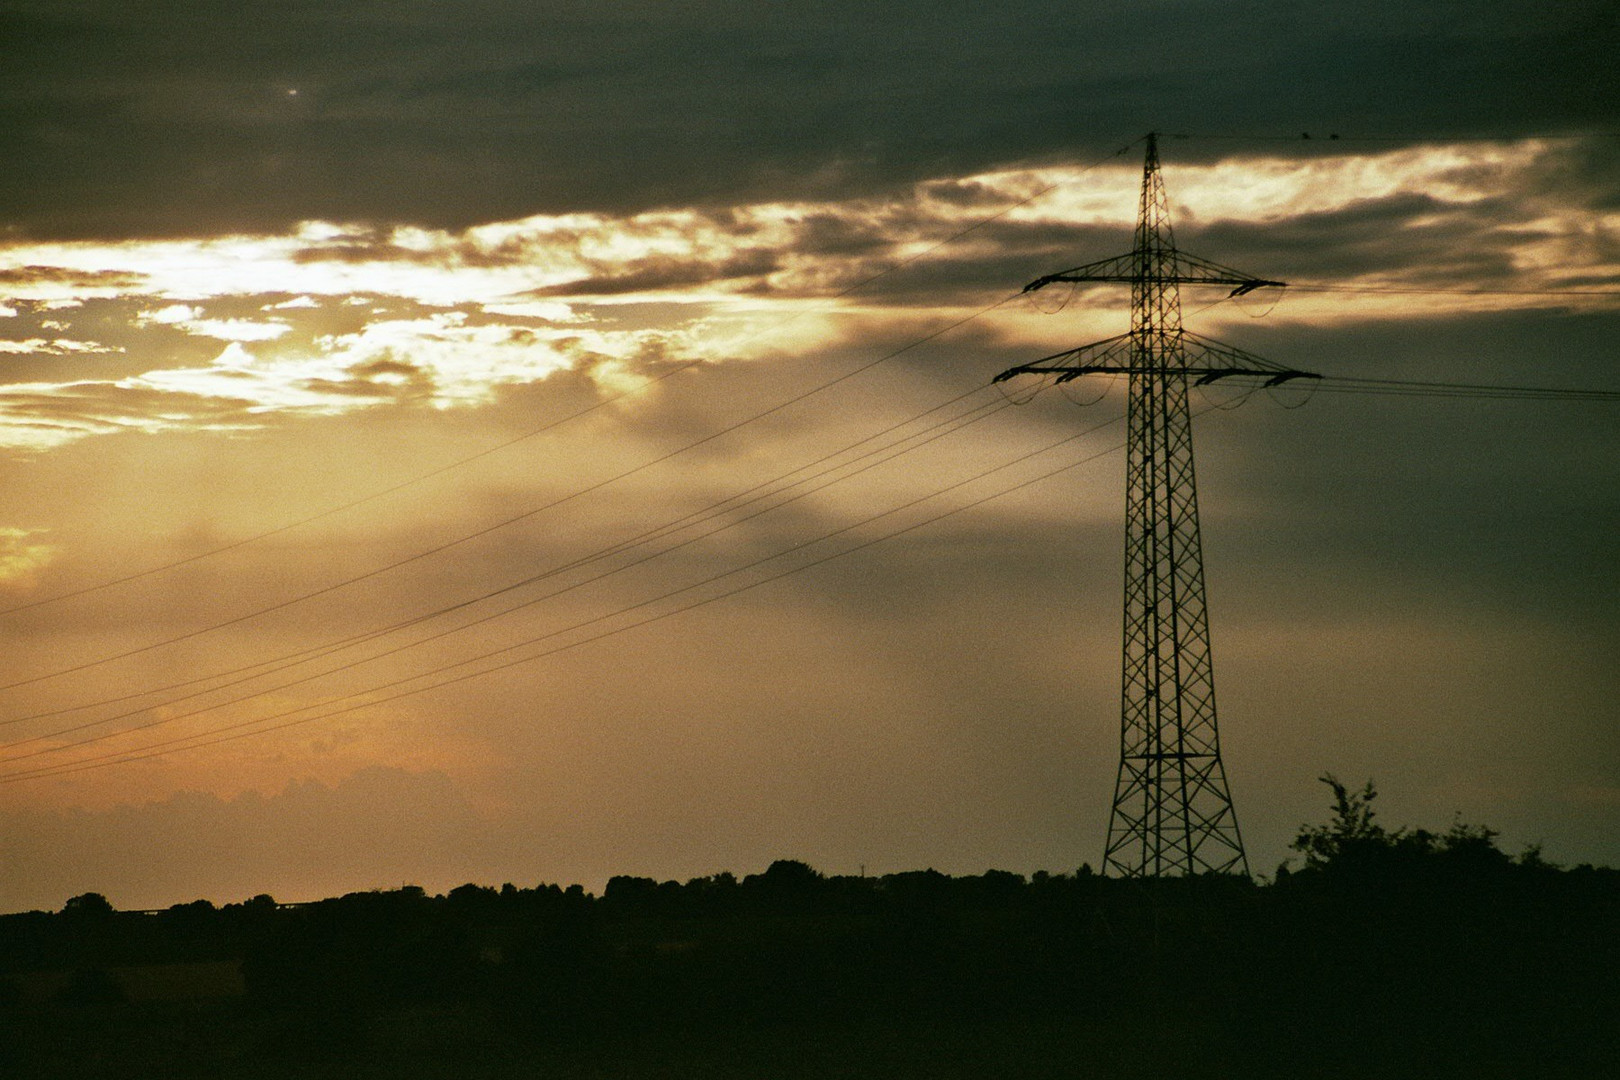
{"type": "Point", "coordinates": [1351, 833]}
{"type": "Point", "coordinates": [90, 905]}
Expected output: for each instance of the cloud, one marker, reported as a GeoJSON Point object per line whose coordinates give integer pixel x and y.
{"type": "Point", "coordinates": [408, 315]}
{"type": "Point", "coordinates": [21, 556]}
{"type": "Point", "coordinates": [43, 417]}
{"type": "Point", "coordinates": [181, 120]}
{"type": "Point", "coordinates": [53, 347]}
{"type": "Point", "coordinates": [64, 284]}
{"type": "Point", "coordinates": [660, 274]}
{"type": "Point", "coordinates": [188, 317]}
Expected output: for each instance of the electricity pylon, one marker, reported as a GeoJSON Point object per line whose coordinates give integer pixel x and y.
{"type": "Point", "coordinates": [1172, 810]}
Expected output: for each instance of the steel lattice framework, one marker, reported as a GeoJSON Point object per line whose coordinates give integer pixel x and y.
{"type": "Point", "coordinates": [1172, 811]}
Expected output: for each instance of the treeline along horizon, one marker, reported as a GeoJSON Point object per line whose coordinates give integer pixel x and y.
{"type": "Point", "coordinates": [1411, 953]}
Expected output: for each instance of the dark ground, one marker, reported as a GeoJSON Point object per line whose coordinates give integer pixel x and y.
{"type": "Point", "coordinates": [1387, 956]}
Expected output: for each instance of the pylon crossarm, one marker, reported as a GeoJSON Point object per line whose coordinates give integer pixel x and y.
{"type": "Point", "coordinates": [1236, 362]}
{"type": "Point", "coordinates": [1194, 270]}
{"type": "Point", "coordinates": [1098, 351]}
{"type": "Point", "coordinates": [1184, 269]}
{"type": "Point", "coordinates": [1120, 268]}
{"type": "Point", "coordinates": [1205, 376]}
{"type": "Point", "coordinates": [1203, 359]}
{"type": "Point", "coordinates": [1273, 378]}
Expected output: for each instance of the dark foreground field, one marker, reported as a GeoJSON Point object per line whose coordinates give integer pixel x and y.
{"type": "Point", "coordinates": [1386, 956]}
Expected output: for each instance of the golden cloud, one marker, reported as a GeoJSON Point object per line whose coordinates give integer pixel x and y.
{"type": "Point", "coordinates": [331, 317]}
{"type": "Point", "coordinates": [21, 556]}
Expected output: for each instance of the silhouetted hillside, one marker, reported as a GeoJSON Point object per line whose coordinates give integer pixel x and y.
{"type": "Point", "coordinates": [1403, 953]}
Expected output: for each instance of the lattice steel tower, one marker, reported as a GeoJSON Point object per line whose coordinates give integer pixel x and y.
{"type": "Point", "coordinates": [1172, 810]}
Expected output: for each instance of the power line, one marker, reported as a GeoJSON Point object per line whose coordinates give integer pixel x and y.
{"type": "Point", "coordinates": [1425, 290]}
{"type": "Point", "coordinates": [713, 509]}
{"type": "Point", "coordinates": [241, 729]}
{"type": "Point", "coordinates": [1328, 383]}
{"type": "Point", "coordinates": [1349, 384]}
{"type": "Point", "coordinates": [343, 508]}
{"type": "Point", "coordinates": [577, 493]}
{"type": "Point", "coordinates": [1413, 290]}
{"type": "Point", "coordinates": [1412, 387]}
{"type": "Point", "coordinates": [1318, 137]}
{"type": "Point", "coordinates": [510, 521]}
{"type": "Point", "coordinates": [1367, 385]}
{"type": "Point", "coordinates": [871, 459]}
{"type": "Point", "coordinates": [459, 463]}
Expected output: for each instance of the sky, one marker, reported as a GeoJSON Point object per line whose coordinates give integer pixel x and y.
{"type": "Point", "coordinates": [532, 442]}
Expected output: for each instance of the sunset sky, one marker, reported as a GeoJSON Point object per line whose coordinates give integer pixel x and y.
{"type": "Point", "coordinates": [532, 441]}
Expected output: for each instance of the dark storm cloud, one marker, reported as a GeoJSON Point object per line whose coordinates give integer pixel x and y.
{"type": "Point", "coordinates": [1436, 239]}
{"type": "Point", "coordinates": [1432, 241]}
{"type": "Point", "coordinates": [829, 253]}
{"type": "Point", "coordinates": [1587, 171]}
{"type": "Point", "coordinates": [186, 116]}
{"type": "Point", "coordinates": [1001, 257]}
{"type": "Point", "coordinates": [662, 272]}
{"type": "Point", "coordinates": [23, 277]}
